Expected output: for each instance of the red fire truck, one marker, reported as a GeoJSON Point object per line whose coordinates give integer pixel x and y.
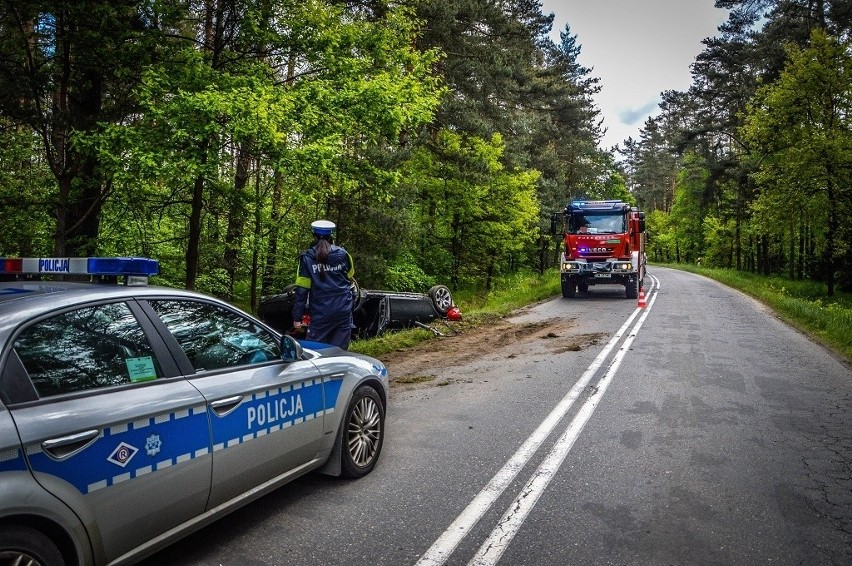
{"type": "Point", "coordinates": [604, 244]}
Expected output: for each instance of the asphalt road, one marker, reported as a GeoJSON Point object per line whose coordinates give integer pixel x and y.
{"type": "Point", "coordinates": [698, 430]}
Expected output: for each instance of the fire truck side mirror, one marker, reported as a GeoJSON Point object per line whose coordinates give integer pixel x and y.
{"type": "Point", "coordinates": [557, 224]}
{"type": "Point", "coordinates": [641, 221]}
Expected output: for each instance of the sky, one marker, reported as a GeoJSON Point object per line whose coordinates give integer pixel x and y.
{"type": "Point", "coordinates": [638, 49]}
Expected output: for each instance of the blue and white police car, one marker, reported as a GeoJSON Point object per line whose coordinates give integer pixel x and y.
{"type": "Point", "coordinates": [132, 415]}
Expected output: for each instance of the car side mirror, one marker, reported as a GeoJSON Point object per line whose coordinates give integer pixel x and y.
{"type": "Point", "coordinates": [291, 350]}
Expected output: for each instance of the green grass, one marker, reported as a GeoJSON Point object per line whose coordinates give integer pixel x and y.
{"type": "Point", "coordinates": [802, 304]}
{"type": "Point", "coordinates": [477, 306]}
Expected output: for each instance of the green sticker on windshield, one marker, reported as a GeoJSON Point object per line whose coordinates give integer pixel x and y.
{"type": "Point", "coordinates": [141, 369]}
{"type": "Point", "coordinates": [613, 241]}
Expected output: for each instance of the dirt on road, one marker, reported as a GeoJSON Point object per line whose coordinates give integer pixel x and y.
{"type": "Point", "coordinates": [502, 339]}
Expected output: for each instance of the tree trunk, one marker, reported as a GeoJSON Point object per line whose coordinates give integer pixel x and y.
{"type": "Point", "coordinates": [791, 261]}
{"type": "Point", "coordinates": [258, 234]}
{"type": "Point", "coordinates": [236, 218]}
{"type": "Point", "coordinates": [803, 236]}
{"type": "Point", "coordinates": [738, 248]}
{"type": "Point", "coordinates": [272, 244]}
{"type": "Point", "coordinates": [194, 240]}
{"type": "Point", "coordinates": [833, 227]}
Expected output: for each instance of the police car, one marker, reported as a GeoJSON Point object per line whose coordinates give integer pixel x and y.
{"type": "Point", "coordinates": [131, 415]}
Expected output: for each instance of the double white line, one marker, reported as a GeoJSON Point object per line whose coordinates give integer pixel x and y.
{"type": "Point", "coordinates": [497, 542]}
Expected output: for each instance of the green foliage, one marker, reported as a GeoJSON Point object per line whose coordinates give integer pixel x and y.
{"type": "Point", "coordinates": [213, 282]}
{"type": "Point", "coordinates": [687, 214]}
{"type": "Point", "coordinates": [26, 190]}
{"type": "Point", "coordinates": [508, 293]}
{"type": "Point", "coordinates": [719, 242]}
{"type": "Point", "coordinates": [470, 205]}
{"type": "Point", "coordinates": [751, 162]}
{"type": "Point", "coordinates": [406, 275]}
{"type": "Point", "coordinates": [802, 127]}
{"type": "Point", "coordinates": [429, 134]}
{"type": "Point", "coordinates": [661, 238]}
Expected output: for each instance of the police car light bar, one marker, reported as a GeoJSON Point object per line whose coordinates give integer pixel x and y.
{"type": "Point", "coordinates": [136, 270]}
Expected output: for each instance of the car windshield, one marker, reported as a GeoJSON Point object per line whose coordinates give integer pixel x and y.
{"type": "Point", "coordinates": [596, 224]}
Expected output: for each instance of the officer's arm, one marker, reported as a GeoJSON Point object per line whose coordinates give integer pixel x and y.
{"type": "Point", "coordinates": [351, 273]}
{"type": "Point", "coordinates": [303, 286]}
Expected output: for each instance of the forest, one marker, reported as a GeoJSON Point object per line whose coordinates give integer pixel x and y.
{"type": "Point", "coordinates": [439, 135]}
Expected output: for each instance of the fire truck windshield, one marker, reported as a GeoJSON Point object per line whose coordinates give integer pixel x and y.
{"type": "Point", "coordinates": [590, 223]}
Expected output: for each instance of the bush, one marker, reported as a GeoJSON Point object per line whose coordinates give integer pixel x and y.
{"type": "Point", "coordinates": [406, 275]}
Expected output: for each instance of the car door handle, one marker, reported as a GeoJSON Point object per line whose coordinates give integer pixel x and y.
{"type": "Point", "coordinates": [224, 406]}
{"type": "Point", "coordinates": [67, 446]}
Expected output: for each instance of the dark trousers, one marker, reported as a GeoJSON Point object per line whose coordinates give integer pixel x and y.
{"type": "Point", "coordinates": [335, 332]}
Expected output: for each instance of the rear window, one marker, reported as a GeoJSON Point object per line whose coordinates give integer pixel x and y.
{"type": "Point", "coordinates": [87, 348]}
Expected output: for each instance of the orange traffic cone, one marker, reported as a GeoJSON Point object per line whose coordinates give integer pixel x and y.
{"type": "Point", "coordinates": [641, 303]}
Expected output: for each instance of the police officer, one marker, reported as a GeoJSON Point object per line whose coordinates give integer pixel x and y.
{"type": "Point", "coordinates": [324, 281]}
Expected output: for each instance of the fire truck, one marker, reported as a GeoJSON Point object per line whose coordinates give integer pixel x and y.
{"type": "Point", "coordinates": [604, 245]}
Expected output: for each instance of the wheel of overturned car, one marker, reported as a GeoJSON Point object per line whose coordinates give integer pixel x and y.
{"type": "Point", "coordinates": [382, 316]}
{"type": "Point", "coordinates": [442, 299]}
{"type": "Point", "coordinates": [364, 433]}
{"type": "Point", "coordinates": [24, 545]}
{"type": "Point", "coordinates": [356, 294]}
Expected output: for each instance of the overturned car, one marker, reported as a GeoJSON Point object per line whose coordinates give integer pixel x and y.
{"type": "Point", "coordinates": [374, 311]}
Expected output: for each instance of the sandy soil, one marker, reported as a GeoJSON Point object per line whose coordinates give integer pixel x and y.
{"type": "Point", "coordinates": [423, 364]}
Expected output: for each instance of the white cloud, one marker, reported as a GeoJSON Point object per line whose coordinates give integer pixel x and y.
{"type": "Point", "coordinates": [638, 48]}
{"type": "Point", "coordinates": [636, 116]}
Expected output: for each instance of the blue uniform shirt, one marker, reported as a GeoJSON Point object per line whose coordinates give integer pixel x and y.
{"type": "Point", "coordinates": [330, 296]}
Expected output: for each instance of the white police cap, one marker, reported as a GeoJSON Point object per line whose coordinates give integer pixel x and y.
{"type": "Point", "coordinates": [322, 227]}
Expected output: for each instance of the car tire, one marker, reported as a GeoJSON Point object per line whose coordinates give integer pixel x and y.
{"type": "Point", "coordinates": [357, 298]}
{"type": "Point", "coordinates": [382, 319]}
{"type": "Point", "coordinates": [24, 545]}
{"type": "Point", "coordinates": [442, 299]}
{"type": "Point", "coordinates": [583, 287]}
{"type": "Point", "coordinates": [363, 433]}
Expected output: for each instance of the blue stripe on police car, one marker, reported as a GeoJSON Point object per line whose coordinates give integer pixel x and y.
{"type": "Point", "coordinates": [116, 456]}
{"type": "Point", "coordinates": [12, 461]}
{"type": "Point", "coordinates": [133, 449]}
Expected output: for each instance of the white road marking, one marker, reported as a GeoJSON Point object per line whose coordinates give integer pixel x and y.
{"type": "Point", "coordinates": [444, 546]}
{"type": "Point", "coordinates": [498, 541]}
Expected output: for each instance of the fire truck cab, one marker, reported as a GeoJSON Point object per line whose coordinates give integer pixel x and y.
{"type": "Point", "coordinates": [604, 245]}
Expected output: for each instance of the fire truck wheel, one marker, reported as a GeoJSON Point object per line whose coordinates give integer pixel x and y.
{"type": "Point", "coordinates": [569, 287]}
{"type": "Point", "coordinates": [631, 290]}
